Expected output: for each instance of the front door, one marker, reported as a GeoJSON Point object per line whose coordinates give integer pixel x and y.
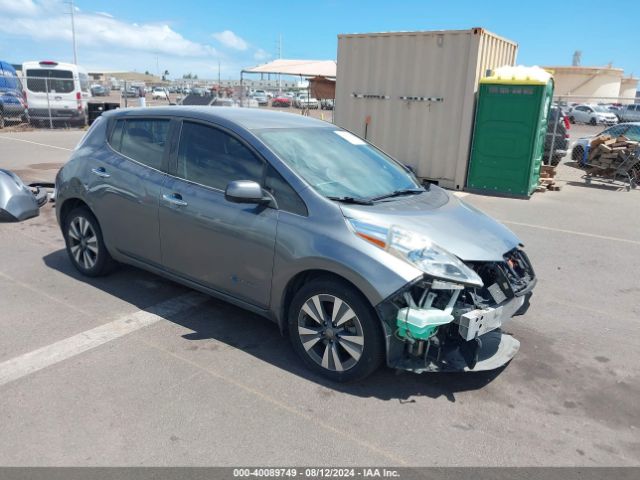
{"type": "Point", "coordinates": [222, 245]}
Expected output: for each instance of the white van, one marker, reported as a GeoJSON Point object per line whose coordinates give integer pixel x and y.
{"type": "Point", "coordinates": [57, 90]}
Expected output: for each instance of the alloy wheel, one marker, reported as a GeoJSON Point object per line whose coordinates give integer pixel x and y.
{"type": "Point", "coordinates": [83, 242]}
{"type": "Point", "coordinates": [330, 332]}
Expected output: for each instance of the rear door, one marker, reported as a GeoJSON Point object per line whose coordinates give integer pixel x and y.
{"type": "Point", "coordinates": [125, 185]}
{"type": "Point", "coordinates": [226, 246]}
{"type": "Point", "coordinates": [50, 87]}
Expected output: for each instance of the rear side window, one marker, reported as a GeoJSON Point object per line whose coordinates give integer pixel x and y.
{"type": "Point", "coordinates": [211, 157]}
{"type": "Point", "coordinates": [142, 140]}
{"type": "Point", "coordinates": [286, 197]}
{"type": "Point", "coordinates": [43, 80]}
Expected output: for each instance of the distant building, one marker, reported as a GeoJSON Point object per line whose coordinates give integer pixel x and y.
{"type": "Point", "coordinates": [593, 84]}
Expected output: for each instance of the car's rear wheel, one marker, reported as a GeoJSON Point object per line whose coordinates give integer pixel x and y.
{"type": "Point", "coordinates": [572, 120]}
{"type": "Point", "coordinates": [84, 242]}
{"type": "Point", "coordinates": [335, 331]}
{"type": "Point", "coordinates": [593, 121]}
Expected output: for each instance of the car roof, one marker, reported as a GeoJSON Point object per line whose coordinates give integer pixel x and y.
{"type": "Point", "coordinates": [247, 118]}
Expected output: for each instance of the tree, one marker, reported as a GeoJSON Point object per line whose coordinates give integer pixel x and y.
{"type": "Point", "coordinates": [165, 75]}
{"type": "Point", "coordinates": [146, 72]}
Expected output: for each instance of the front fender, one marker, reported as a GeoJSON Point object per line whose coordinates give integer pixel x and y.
{"type": "Point", "coordinates": [374, 272]}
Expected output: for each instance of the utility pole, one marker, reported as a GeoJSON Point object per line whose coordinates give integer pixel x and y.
{"type": "Point", "coordinates": [280, 58]}
{"type": "Point", "coordinates": [73, 32]}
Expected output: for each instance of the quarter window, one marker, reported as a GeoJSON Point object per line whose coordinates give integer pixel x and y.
{"type": "Point", "coordinates": [286, 197]}
{"type": "Point", "coordinates": [142, 140]}
{"type": "Point", "coordinates": [211, 157]}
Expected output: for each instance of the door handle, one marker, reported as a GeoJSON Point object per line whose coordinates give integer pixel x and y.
{"type": "Point", "coordinates": [174, 199]}
{"type": "Point", "coordinates": [101, 172]}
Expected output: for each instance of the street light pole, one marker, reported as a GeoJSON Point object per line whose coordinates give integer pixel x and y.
{"type": "Point", "coordinates": [73, 32]}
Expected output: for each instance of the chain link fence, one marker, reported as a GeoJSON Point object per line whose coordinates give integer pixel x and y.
{"type": "Point", "coordinates": [574, 119]}
{"type": "Point", "coordinates": [599, 135]}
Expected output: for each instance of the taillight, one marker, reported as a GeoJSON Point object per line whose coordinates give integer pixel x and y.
{"type": "Point", "coordinates": [567, 124]}
{"type": "Point", "coordinates": [79, 100]}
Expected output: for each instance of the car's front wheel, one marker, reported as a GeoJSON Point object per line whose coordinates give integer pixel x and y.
{"type": "Point", "coordinates": [335, 331]}
{"type": "Point", "coordinates": [84, 242]}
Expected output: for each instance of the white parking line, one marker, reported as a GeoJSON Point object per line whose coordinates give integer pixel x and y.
{"type": "Point", "coordinates": [573, 232]}
{"type": "Point", "coordinates": [3, 137]}
{"type": "Point", "coordinates": [44, 357]}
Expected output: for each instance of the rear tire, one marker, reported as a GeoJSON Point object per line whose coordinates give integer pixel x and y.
{"type": "Point", "coordinates": [593, 121]}
{"type": "Point", "coordinates": [85, 244]}
{"type": "Point", "coordinates": [572, 120]}
{"type": "Point", "coordinates": [345, 345]}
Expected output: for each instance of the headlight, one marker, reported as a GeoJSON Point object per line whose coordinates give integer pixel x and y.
{"type": "Point", "coordinates": [417, 250]}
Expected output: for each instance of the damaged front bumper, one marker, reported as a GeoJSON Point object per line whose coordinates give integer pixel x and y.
{"type": "Point", "coordinates": [473, 340]}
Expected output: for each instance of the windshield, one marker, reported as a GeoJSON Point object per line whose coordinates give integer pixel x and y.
{"type": "Point", "coordinates": [337, 163]}
{"type": "Point", "coordinates": [54, 81]}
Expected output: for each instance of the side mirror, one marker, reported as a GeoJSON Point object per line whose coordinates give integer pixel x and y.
{"type": "Point", "coordinates": [245, 191]}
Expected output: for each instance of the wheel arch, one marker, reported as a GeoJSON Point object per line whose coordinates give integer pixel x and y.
{"type": "Point", "coordinates": [303, 277]}
{"type": "Point", "coordinates": [71, 204]}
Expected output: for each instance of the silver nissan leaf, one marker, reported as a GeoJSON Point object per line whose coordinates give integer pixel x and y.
{"type": "Point", "coordinates": [303, 223]}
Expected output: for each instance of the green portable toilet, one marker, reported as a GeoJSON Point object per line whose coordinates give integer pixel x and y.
{"type": "Point", "coordinates": [510, 129]}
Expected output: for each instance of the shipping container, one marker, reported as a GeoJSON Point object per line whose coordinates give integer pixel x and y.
{"type": "Point", "coordinates": [412, 94]}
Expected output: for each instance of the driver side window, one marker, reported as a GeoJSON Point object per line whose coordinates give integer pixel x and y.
{"type": "Point", "coordinates": [213, 158]}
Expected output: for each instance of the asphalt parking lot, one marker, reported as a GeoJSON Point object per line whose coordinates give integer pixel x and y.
{"type": "Point", "coordinates": [132, 369]}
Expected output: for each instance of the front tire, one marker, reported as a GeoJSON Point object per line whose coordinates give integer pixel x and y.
{"type": "Point", "coordinates": [335, 331]}
{"type": "Point", "coordinates": [85, 244]}
{"type": "Point", "coordinates": [593, 121]}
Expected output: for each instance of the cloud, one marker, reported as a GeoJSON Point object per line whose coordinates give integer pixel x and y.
{"type": "Point", "coordinates": [261, 55]}
{"type": "Point", "coordinates": [41, 22]}
{"type": "Point", "coordinates": [22, 7]}
{"type": "Point", "coordinates": [231, 40]}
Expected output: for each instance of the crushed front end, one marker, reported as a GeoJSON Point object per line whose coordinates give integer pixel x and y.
{"type": "Point", "coordinates": [436, 325]}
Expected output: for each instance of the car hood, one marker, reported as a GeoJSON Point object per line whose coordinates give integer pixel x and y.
{"type": "Point", "coordinates": [451, 223]}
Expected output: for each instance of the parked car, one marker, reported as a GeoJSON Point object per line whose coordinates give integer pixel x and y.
{"type": "Point", "coordinates": [303, 223]}
{"type": "Point", "coordinates": [159, 93]}
{"type": "Point", "coordinates": [225, 102]}
{"type": "Point", "coordinates": [630, 113]}
{"type": "Point", "coordinates": [561, 142]}
{"type": "Point", "coordinates": [130, 92]}
{"type": "Point", "coordinates": [98, 91]}
{"type": "Point", "coordinates": [281, 101]}
{"type": "Point", "coordinates": [56, 91]}
{"type": "Point", "coordinates": [326, 104]}
{"type": "Point", "coordinates": [12, 102]}
{"type": "Point", "coordinates": [592, 114]}
{"type": "Point", "coordinates": [261, 98]}
{"type": "Point", "coordinates": [303, 100]}
{"type": "Point", "coordinates": [631, 130]}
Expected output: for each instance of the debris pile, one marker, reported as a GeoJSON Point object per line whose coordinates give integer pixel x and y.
{"type": "Point", "coordinates": [547, 179]}
{"type": "Point", "coordinates": [606, 152]}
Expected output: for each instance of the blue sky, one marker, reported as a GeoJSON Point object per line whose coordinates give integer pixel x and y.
{"type": "Point", "coordinates": [193, 35]}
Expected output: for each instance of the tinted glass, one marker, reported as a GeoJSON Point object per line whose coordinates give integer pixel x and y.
{"type": "Point", "coordinates": [59, 81]}
{"type": "Point", "coordinates": [286, 197]}
{"type": "Point", "coordinates": [633, 133]}
{"type": "Point", "coordinates": [142, 140]}
{"type": "Point", "coordinates": [337, 163]}
{"type": "Point", "coordinates": [211, 157]}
